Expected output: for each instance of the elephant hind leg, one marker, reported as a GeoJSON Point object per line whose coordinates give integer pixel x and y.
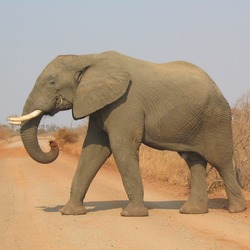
{"type": "Point", "coordinates": [235, 199]}
{"type": "Point", "coordinates": [198, 199]}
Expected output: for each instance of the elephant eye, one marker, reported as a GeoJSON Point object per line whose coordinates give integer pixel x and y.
{"type": "Point", "coordinates": [52, 83]}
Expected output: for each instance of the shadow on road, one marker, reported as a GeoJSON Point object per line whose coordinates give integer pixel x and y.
{"type": "Point", "coordinates": [92, 206]}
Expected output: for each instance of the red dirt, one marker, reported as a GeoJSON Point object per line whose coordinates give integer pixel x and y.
{"type": "Point", "coordinates": [31, 194]}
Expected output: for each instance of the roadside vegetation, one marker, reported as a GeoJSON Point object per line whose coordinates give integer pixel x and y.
{"type": "Point", "coordinates": [169, 167]}
{"type": "Point", "coordinates": [165, 166]}
{"type": "Point", "coordinates": [241, 132]}
{"type": "Point", "coordinates": [7, 132]}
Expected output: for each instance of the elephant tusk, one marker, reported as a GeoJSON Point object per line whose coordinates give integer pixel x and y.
{"type": "Point", "coordinates": [15, 123]}
{"type": "Point", "coordinates": [18, 120]}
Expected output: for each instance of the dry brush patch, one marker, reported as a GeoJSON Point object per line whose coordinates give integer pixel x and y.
{"type": "Point", "coordinates": [165, 166]}
{"type": "Point", "coordinates": [155, 165]}
{"type": "Point", "coordinates": [70, 140]}
{"type": "Point", "coordinates": [241, 133]}
{"type": "Point", "coordinates": [6, 132]}
{"type": "Point", "coordinates": [169, 167]}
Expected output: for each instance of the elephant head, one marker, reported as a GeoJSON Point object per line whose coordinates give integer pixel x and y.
{"type": "Point", "coordinates": [84, 84]}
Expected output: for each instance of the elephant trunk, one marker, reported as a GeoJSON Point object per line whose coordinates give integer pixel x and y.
{"type": "Point", "coordinates": [30, 142]}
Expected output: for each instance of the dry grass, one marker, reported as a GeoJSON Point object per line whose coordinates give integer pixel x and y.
{"type": "Point", "coordinates": [155, 165]}
{"type": "Point", "coordinates": [66, 136]}
{"type": "Point", "coordinates": [169, 167]}
{"type": "Point", "coordinates": [70, 140]}
{"type": "Point", "coordinates": [6, 132]}
{"type": "Point", "coordinates": [241, 132]}
{"type": "Point", "coordinates": [164, 166]}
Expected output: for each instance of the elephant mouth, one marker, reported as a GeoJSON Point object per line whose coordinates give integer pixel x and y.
{"type": "Point", "coordinates": [61, 104]}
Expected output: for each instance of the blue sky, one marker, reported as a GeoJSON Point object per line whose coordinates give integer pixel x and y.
{"type": "Point", "coordinates": [213, 34]}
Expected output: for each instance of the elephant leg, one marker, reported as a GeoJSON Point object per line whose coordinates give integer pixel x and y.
{"type": "Point", "coordinates": [235, 199]}
{"type": "Point", "coordinates": [126, 154]}
{"type": "Point", "coordinates": [95, 152]}
{"type": "Point", "coordinates": [198, 199]}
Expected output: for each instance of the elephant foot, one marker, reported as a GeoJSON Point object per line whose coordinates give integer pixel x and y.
{"type": "Point", "coordinates": [134, 211]}
{"type": "Point", "coordinates": [237, 206]}
{"type": "Point", "coordinates": [194, 207]}
{"type": "Point", "coordinates": [73, 209]}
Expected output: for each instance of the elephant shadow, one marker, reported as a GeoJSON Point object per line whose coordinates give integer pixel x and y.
{"type": "Point", "coordinates": [93, 206]}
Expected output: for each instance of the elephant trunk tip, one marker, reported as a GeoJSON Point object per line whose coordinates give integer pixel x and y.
{"type": "Point", "coordinates": [53, 145]}
{"type": "Point", "coordinates": [53, 153]}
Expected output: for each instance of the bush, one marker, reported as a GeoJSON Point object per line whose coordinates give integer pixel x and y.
{"type": "Point", "coordinates": [168, 166]}
{"type": "Point", "coordinates": [165, 166]}
{"type": "Point", "coordinates": [241, 133]}
{"type": "Point", "coordinates": [6, 132]}
{"type": "Point", "coordinates": [66, 136]}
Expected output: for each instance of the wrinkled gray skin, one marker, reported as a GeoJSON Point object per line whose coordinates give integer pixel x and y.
{"type": "Point", "coordinates": [173, 106]}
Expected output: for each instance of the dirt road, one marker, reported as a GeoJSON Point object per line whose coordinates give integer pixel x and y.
{"type": "Point", "coordinates": [31, 194]}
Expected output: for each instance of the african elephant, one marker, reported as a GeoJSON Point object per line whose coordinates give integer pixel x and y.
{"type": "Point", "coordinates": [173, 106]}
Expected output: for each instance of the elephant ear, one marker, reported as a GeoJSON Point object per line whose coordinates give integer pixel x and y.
{"type": "Point", "coordinates": [96, 91]}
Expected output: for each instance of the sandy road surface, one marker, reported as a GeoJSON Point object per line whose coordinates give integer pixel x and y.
{"type": "Point", "coordinates": [31, 194]}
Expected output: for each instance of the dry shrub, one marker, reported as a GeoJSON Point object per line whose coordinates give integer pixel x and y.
{"type": "Point", "coordinates": [165, 166]}
{"type": "Point", "coordinates": [241, 132]}
{"type": "Point", "coordinates": [215, 184]}
{"type": "Point", "coordinates": [241, 140]}
{"type": "Point", "coordinates": [6, 132]}
{"type": "Point", "coordinates": [70, 140]}
{"type": "Point", "coordinates": [66, 136]}
{"type": "Point", "coordinates": [160, 166]}
{"type": "Point", "coordinates": [155, 165]}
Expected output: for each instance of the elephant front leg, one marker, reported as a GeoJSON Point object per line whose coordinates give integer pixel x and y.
{"type": "Point", "coordinates": [132, 182]}
{"type": "Point", "coordinates": [95, 152]}
{"type": "Point", "coordinates": [126, 157]}
{"type": "Point", "coordinates": [198, 199]}
{"type": "Point", "coordinates": [92, 158]}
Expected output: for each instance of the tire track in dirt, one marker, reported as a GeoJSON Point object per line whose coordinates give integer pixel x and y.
{"type": "Point", "coordinates": [31, 194]}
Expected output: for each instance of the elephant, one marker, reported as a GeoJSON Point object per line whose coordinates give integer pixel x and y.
{"type": "Point", "coordinates": [172, 106]}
